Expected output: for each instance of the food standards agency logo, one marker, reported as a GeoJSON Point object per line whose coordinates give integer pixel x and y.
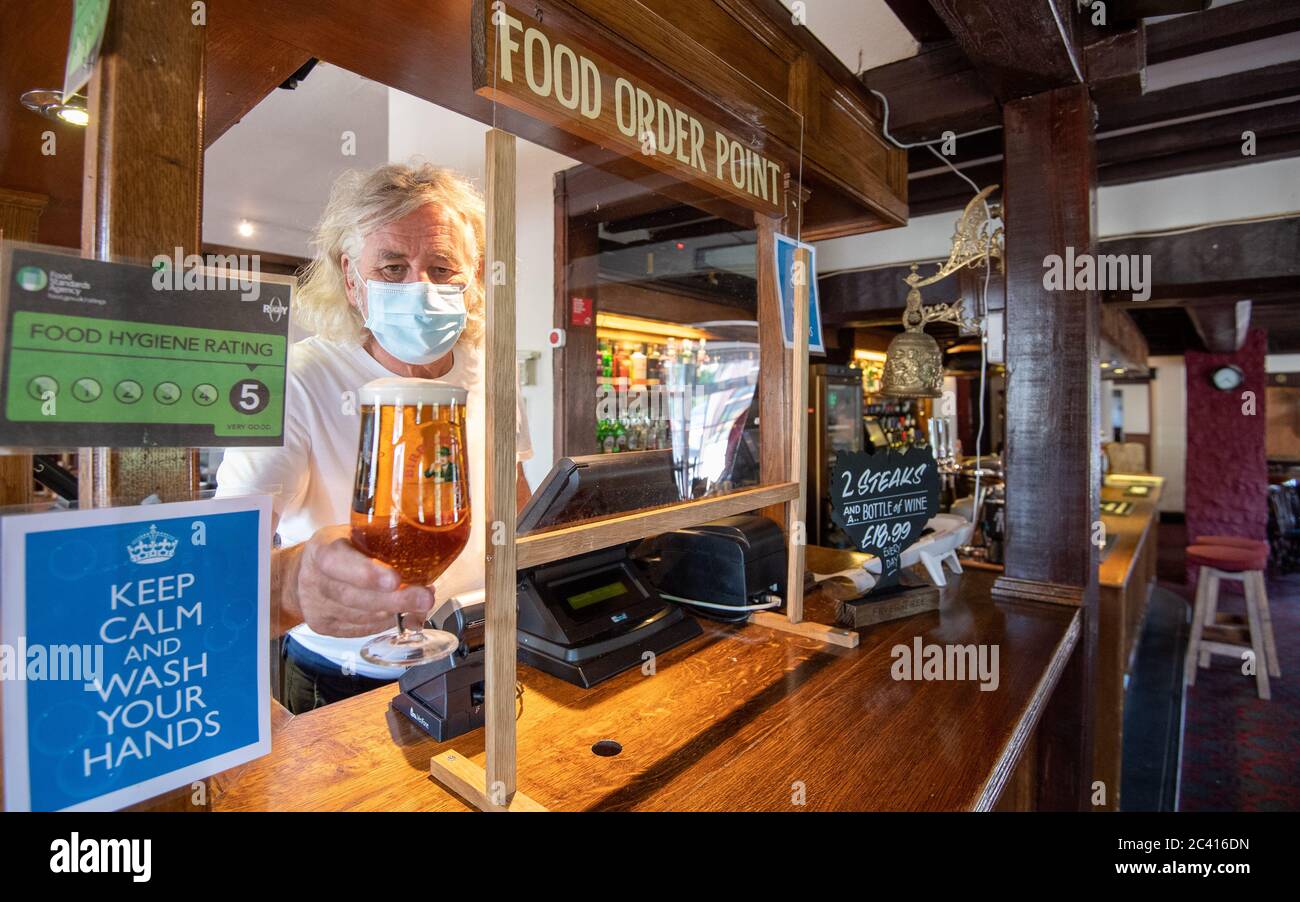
{"type": "Point", "coordinates": [32, 278]}
{"type": "Point", "coordinates": [152, 547]}
{"type": "Point", "coordinates": [274, 310]}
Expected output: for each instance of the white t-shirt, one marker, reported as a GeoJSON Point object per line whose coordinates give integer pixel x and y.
{"type": "Point", "coordinates": [310, 479]}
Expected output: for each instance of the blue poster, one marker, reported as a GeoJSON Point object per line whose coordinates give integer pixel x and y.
{"type": "Point", "coordinates": [786, 273]}
{"type": "Point", "coordinates": [135, 654]}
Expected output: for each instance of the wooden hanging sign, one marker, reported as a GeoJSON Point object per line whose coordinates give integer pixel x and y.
{"type": "Point", "coordinates": [541, 71]}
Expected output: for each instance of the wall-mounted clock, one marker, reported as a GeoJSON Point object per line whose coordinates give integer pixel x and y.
{"type": "Point", "coordinates": [1226, 378]}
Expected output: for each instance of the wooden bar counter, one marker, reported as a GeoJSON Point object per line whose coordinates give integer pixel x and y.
{"type": "Point", "coordinates": [1127, 571]}
{"type": "Point", "coordinates": [737, 719]}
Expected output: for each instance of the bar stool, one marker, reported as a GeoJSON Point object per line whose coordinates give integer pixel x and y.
{"type": "Point", "coordinates": [1230, 635]}
{"type": "Point", "coordinates": [1211, 608]}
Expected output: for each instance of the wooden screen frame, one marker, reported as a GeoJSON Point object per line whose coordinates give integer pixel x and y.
{"type": "Point", "coordinates": [783, 439]}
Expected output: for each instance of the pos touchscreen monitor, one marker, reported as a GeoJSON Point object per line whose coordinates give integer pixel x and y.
{"type": "Point", "coordinates": [600, 485]}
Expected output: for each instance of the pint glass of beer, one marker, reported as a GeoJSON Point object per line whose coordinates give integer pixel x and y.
{"type": "Point", "coordinates": [410, 504]}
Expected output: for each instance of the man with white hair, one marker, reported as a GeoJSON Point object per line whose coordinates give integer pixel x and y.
{"type": "Point", "coordinates": [386, 237]}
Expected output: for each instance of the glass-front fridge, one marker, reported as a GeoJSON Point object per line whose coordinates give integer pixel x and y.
{"type": "Point", "coordinates": [835, 424]}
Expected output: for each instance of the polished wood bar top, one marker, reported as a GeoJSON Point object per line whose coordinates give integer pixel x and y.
{"type": "Point", "coordinates": [1129, 530]}
{"type": "Point", "coordinates": [738, 719]}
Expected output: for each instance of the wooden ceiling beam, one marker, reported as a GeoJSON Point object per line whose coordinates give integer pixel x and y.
{"type": "Point", "coordinates": [241, 68]}
{"type": "Point", "coordinates": [1247, 257]}
{"type": "Point", "coordinates": [1265, 122]}
{"type": "Point", "coordinates": [1223, 26]}
{"type": "Point", "coordinates": [1159, 152]}
{"type": "Point", "coordinates": [1019, 49]}
{"type": "Point", "coordinates": [1204, 97]}
{"type": "Point", "coordinates": [1222, 327]}
{"type": "Point", "coordinates": [1201, 160]}
{"type": "Point", "coordinates": [933, 92]}
{"type": "Point", "coordinates": [1116, 64]}
{"type": "Point", "coordinates": [919, 18]}
{"type": "Point", "coordinates": [1122, 340]}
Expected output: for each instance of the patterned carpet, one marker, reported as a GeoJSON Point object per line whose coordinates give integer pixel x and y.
{"type": "Point", "coordinates": [1241, 753]}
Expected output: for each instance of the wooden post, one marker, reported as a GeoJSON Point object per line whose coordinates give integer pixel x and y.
{"type": "Point", "coordinates": [1053, 419]}
{"type": "Point", "coordinates": [495, 788]}
{"type": "Point", "coordinates": [783, 430]}
{"type": "Point", "coordinates": [142, 196]}
{"type": "Point", "coordinates": [796, 524]}
{"type": "Point", "coordinates": [20, 215]}
{"type": "Point", "coordinates": [499, 390]}
{"type": "Point", "coordinates": [774, 362]}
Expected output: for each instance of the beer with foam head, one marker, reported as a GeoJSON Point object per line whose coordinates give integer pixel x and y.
{"type": "Point", "coordinates": [410, 504]}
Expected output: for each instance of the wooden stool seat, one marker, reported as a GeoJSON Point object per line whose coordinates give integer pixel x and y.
{"type": "Point", "coordinates": [1231, 634]}
{"type": "Point", "coordinates": [1229, 558]}
{"type": "Point", "coordinates": [1235, 542]}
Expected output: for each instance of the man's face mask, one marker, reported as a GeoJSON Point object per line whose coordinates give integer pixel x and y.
{"type": "Point", "coordinates": [416, 322]}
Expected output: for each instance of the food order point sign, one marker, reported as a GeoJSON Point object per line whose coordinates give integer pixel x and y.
{"type": "Point", "coordinates": [883, 500]}
{"type": "Point", "coordinates": [135, 655]}
{"type": "Point", "coordinates": [124, 355]}
{"type": "Point", "coordinates": [548, 74]}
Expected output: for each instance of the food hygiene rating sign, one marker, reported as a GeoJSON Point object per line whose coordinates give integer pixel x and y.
{"type": "Point", "coordinates": [136, 650]}
{"type": "Point", "coordinates": [98, 353]}
{"type": "Point", "coordinates": [883, 500]}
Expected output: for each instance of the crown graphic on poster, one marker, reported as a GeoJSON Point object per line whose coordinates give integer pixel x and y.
{"type": "Point", "coordinates": [152, 547]}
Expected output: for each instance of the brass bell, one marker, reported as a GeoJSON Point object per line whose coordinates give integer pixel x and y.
{"type": "Point", "coordinates": [913, 363]}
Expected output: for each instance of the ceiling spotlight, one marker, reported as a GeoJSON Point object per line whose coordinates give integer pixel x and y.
{"type": "Point", "coordinates": [245, 228]}
{"type": "Point", "coordinates": [52, 105]}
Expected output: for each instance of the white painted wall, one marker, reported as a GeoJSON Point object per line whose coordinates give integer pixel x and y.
{"type": "Point", "coordinates": [1242, 192]}
{"type": "Point", "coordinates": [1137, 408]}
{"type": "Point", "coordinates": [1282, 363]}
{"type": "Point", "coordinates": [419, 129]}
{"type": "Point", "coordinates": [275, 166]}
{"type": "Point", "coordinates": [1169, 440]}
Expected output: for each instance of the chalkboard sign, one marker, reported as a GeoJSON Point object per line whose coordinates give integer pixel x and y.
{"type": "Point", "coordinates": [882, 500]}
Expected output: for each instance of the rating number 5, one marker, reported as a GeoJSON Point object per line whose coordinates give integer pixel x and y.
{"type": "Point", "coordinates": [250, 396]}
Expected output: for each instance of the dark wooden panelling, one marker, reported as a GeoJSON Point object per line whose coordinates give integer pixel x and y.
{"type": "Point", "coordinates": [577, 274]}
{"type": "Point", "coordinates": [653, 302]}
{"type": "Point", "coordinates": [33, 47]}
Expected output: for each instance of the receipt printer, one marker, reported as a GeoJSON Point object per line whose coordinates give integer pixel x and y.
{"type": "Point", "coordinates": [732, 562]}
